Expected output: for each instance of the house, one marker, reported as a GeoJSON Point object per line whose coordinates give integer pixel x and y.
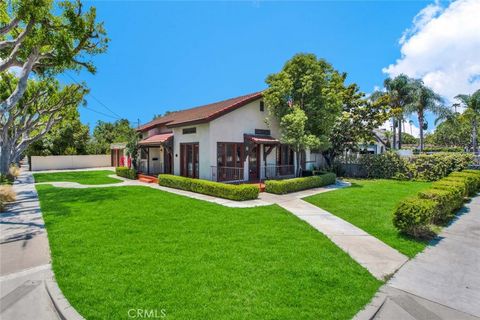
{"type": "Point", "coordinates": [229, 141]}
{"type": "Point", "coordinates": [378, 145]}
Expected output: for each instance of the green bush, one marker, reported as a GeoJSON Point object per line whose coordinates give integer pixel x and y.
{"type": "Point", "coordinates": [472, 178]}
{"type": "Point", "coordinates": [126, 172]}
{"type": "Point", "coordinates": [447, 203]}
{"type": "Point", "coordinates": [468, 183]}
{"type": "Point", "coordinates": [415, 216]}
{"type": "Point", "coordinates": [387, 165]}
{"type": "Point", "coordinates": [297, 184]}
{"type": "Point", "coordinates": [429, 167]}
{"type": "Point", "coordinates": [217, 189]}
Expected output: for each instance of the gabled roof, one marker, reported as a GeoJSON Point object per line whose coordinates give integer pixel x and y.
{"type": "Point", "coordinates": [202, 114]}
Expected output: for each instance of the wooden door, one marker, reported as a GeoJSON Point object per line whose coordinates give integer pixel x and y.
{"type": "Point", "coordinates": [189, 160]}
{"type": "Point", "coordinates": [254, 163]}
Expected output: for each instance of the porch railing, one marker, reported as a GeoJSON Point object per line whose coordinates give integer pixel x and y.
{"type": "Point", "coordinates": [227, 174]}
{"type": "Point", "coordinates": [274, 171]}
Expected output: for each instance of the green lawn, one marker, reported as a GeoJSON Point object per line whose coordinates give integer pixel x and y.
{"type": "Point", "coordinates": [115, 249]}
{"type": "Point", "coordinates": [369, 204]}
{"type": "Point", "coordinates": [82, 177]}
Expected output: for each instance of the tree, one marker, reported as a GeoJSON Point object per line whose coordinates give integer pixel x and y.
{"type": "Point", "coordinates": [311, 85]}
{"type": "Point", "coordinates": [132, 148]}
{"type": "Point", "coordinates": [106, 133]}
{"type": "Point", "coordinates": [399, 91]}
{"type": "Point", "coordinates": [455, 131]}
{"type": "Point", "coordinates": [472, 112]}
{"type": "Point", "coordinates": [69, 136]}
{"type": "Point", "coordinates": [293, 127]}
{"type": "Point", "coordinates": [424, 99]}
{"type": "Point", "coordinates": [43, 104]}
{"type": "Point", "coordinates": [44, 40]}
{"type": "Point", "coordinates": [356, 123]}
{"type": "Point", "coordinates": [407, 138]}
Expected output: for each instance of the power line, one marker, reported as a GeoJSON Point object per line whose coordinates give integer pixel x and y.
{"type": "Point", "coordinates": [96, 99]}
{"type": "Point", "coordinates": [99, 112]}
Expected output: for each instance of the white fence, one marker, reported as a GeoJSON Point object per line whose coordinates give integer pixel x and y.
{"type": "Point", "coordinates": [69, 162]}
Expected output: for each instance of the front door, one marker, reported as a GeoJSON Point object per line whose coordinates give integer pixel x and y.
{"type": "Point", "coordinates": [189, 160]}
{"type": "Point", "coordinates": [254, 163]}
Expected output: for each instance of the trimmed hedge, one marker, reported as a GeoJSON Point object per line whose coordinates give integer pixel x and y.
{"type": "Point", "coordinates": [297, 184]}
{"type": "Point", "coordinates": [425, 167]}
{"type": "Point", "coordinates": [126, 172]}
{"type": "Point", "coordinates": [415, 216]}
{"type": "Point", "coordinates": [228, 191]}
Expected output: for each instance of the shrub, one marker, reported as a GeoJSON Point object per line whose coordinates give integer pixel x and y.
{"type": "Point", "coordinates": [447, 201]}
{"type": "Point", "coordinates": [429, 167]}
{"type": "Point", "coordinates": [449, 184]}
{"type": "Point", "coordinates": [297, 184]}
{"type": "Point", "coordinates": [14, 171]}
{"type": "Point", "coordinates": [217, 189]}
{"type": "Point", "coordinates": [387, 165]}
{"type": "Point", "coordinates": [472, 178]}
{"type": "Point", "coordinates": [468, 183]}
{"type": "Point", "coordinates": [414, 216]}
{"type": "Point", "coordinates": [6, 195]}
{"type": "Point", "coordinates": [125, 172]}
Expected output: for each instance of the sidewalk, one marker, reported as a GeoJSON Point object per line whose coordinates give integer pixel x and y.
{"type": "Point", "coordinates": [442, 282]}
{"type": "Point", "coordinates": [24, 257]}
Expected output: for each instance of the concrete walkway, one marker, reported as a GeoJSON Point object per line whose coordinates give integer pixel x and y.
{"type": "Point", "coordinates": [378, 258]}
{"type": "Point", "coordinates": [442, 282]}
{"type": "Point", "coordinates": [24, 257]}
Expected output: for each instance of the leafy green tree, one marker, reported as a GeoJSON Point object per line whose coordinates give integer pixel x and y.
{"type": "Point", "coordinates": [69, 136]}
{"type": "Point", "coordinates": [424, 99]}
{"type": "Point", "coordinates": [356, 123]}
{"type": "Point", "coordinates": [45, 38]}
{"type": "Point", "coordinates": [409, 139]}
{"type": "Point", "coordinates": [313, 86]}
{"type": "Point", "coordinates": [455, 131]}
{"type": "Point", "coordinates": [472, 112]}
{"type": "Point", "coordinates": [43, 104]}
{"type": "Point", "coordinates": [293, 127]}
{"type": "Point", "coordinates": [106, 133]}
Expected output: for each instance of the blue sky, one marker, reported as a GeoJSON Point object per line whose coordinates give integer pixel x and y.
{"type": "Point", "coordinates": [174, 55]}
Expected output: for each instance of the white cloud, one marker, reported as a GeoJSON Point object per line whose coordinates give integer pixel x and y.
{"type": "Point", "coordinates": [443, 48]}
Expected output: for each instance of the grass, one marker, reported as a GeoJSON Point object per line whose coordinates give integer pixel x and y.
{"type": "Point", "coordinates": [83, 177]}
{"type": "Point", "coordinates": [369, 205]}
{"type": "Point", "coordinates": [115, 249]}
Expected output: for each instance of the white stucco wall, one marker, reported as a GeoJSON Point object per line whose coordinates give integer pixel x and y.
{"type": "Point", "coordinates": [202, 136]}
{"type": "Point", "coordinates": [70, 162]}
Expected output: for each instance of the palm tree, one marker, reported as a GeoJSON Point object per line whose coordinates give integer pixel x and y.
{"type": "Point", "coordinates": [399, 90]}
{"type": "Point", "coordinates": [472, 105]}
{"type": "Point", "coordinates": [424, 99]}
{"type": "Point", "coordinates": [410, 122]}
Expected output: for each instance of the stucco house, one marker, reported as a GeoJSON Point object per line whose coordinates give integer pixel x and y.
{"type": "Point", "coordinates": [228, 141]}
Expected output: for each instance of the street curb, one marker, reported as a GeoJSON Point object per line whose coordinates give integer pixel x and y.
{"type": "Point", "coordinates": [61, 304]}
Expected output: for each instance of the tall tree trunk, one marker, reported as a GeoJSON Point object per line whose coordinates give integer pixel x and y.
{"type": "Point", "coordinates": [420, 124]}
{"type": "Point", "coordinates": [400, 133]}
{"type": "Point", "coordinates": [5, 155]}
{"type": "Point", "coordinates": [474, 135]}
{"type": "Point", "coordinates": [394, 138]}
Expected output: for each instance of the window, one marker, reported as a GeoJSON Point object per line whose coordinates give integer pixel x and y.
{"type": "Point", "coordinates": [262, 132]}
{"type": "Point", "coordinates": [230, 158]}
{"type": "Point", "coordinates": [189, 130]}
{"type": "Point", "coordinates": [262, 106]}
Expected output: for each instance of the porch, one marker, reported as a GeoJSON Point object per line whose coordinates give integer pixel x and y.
{"type": "Point", "coordinates": [156, 155]}
{"type": "Point", "coordinates": [258, 158]}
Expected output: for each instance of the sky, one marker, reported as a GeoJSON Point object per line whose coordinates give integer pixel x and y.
{"type": "Point", "coordinates": [166, 56]}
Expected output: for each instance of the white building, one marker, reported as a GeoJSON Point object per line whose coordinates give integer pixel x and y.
{"type": "Point", "coordinates": [227, 141]}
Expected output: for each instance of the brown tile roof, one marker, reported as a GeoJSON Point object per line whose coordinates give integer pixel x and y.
{"type": "Point", "coordinates": [261, 139]}
{"type": "Point", "coordinates": [156, 139]}
{"type": "Point", "coordinates": [202, 114]}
